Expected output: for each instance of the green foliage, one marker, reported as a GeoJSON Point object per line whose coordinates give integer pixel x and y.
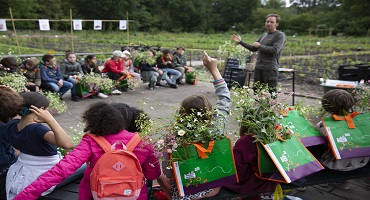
{"type": "Point", "coordinates": [13, 80]}
{"type": "Point", "coordinates": [55, 103]}
{"type": "Point", "coordinates": [260, 113]}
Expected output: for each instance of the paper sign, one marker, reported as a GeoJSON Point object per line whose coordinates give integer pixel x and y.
{"type": "Point", "coordinates": [3, 25]}
{"type": "Point", "coordinates": [77, 24]}
{"type": "Point", "coordinates": [44, 25]}
{"type": "Point", "coordinates": [97, 24]}
{"type": "Point", "coordinates": [122, 24]}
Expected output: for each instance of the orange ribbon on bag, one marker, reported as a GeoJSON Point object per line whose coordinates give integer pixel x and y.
{"type": "Point", "coordinates": [348, 119]}
{"type": "Point", "coordinates": [202, 151]}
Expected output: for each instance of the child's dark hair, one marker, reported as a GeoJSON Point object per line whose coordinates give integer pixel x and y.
{"type": "Point", "coordinates": [194, 104]}
{"type": "Point", "coordinates": [87, 59]}
{"type": "Point", "coordinates": [165, 51]}
{"type": "Point", "coordinates": [103, 119]}
{"type": "Point", "coordinates": [9, 62]}
{"type": "Point", "coordinates": [10, 104]}
{"type": "Point", "coordinates": [47, 57]}
{"type": "Point", "coordinates": [33, 99]}
{"type": "Point", "coordinates": [69, 52]}
{"type": "Point", "coordinates": [338, 101]}
{"type": "Point", "coordinates": [131, 114]}
{"type": "Point", "coordinates": [126, 112]}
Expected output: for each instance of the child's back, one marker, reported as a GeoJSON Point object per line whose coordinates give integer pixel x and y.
{"type": "Point", "coordinates": [339, 102]}
{"type": "Point", "coordinates": [89, 151]}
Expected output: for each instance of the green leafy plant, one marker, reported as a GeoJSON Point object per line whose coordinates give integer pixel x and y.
{"type": "Point", "coordinates": [260, 113]}
{"type": "Point", "coordinates": [230, 49]}
{"type": "Point", "coordinates": [96, 82]}
{"type": "Point", "coordinates": [362, 97]}
{"type": "Point", "coordinates": [14, 80]}
{"type": "Point", "coordinates": [55, 103]}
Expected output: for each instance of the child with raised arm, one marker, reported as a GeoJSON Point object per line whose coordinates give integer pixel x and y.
{"type": "Point", "coordinates": [36, 142]}
{"type": "Point", "coordinates": [104, 120]}
{"type": "Point", "coordinates": [199, 103]}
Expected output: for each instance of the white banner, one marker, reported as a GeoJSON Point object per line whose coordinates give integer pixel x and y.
{"type": "Point", "coordinates": [3, 25]}
{"type": "Point", "coordinates": [77, 24]}
{"type": "Point", "coordinates": [44, 25]}
{"type": "Point", "coordinates": [122, 24]}
{"type": "Point", "coordinates": [97, 24]}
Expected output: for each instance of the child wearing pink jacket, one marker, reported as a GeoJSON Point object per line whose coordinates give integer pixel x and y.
{"type": "Point", "coordinates": [105, 120]}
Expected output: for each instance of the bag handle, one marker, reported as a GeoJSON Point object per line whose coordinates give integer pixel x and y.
{"type": "Point", "coordinates": [135, 140]}
{"type": "Point", "coordinates": [348, 119]}
{"type": "Point", "coordinates": [102, 142]}
{"type": "Point", "coordinates": [202, 151]}
{"type": "Point", "coordinates": [284, 113]}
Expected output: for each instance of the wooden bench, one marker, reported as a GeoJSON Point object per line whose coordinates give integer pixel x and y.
{"type": "Point", "coordinates": [70, 191]}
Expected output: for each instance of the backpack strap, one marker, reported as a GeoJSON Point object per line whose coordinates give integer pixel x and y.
{"type": "Point", "coordinates": [133, 142]}
{"type": "Point", "coordinates": [102, 142]}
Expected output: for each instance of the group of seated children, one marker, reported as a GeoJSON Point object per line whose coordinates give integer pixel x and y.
{"type": "Point", "coordinates": [120, 68]}
{"type": "Point", "coordinates": [116, 123]}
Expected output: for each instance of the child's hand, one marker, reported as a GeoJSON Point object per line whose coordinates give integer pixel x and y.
{"type": "Point", "coordinates": [42, 115]}
{"type": "Point", "coordinates": [209, 63]}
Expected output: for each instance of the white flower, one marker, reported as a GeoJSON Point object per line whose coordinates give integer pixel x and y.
{"type": "Point", "coordinates": [189, 125]}
{"type": "Point", "coordinates": [181, 132]}
{"type": "Point", "coordinates": [199, 113]}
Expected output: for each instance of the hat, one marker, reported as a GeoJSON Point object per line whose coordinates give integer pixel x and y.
{"type": "Point", "coordinates": [117, 53]}
{"type": "Point", "coordinates": [125, 52]}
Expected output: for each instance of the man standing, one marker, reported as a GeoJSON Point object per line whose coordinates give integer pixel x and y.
{"type": "Point", "coordinates": [269, 46]}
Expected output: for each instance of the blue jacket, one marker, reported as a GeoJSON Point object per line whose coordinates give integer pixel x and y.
{"type": "Point", "coordinates": [50, 74]}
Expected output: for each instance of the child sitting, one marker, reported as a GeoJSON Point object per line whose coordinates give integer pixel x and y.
{"type": "Point", "coordinates": [30, 69]}
{"type": "Point", "coordinates": [128, 65]}
{"type": "Point", "coordinates": [199, 103]}
{"type": "Point", "coordinates": [104, 120]}
{"type": "Point", "coordinates": [339, 102]}
{"type": "Point", "coordinates": [71, 71]}
{"type": "Point", "coordinates": [51, 76]}
{"type": "Point", "coordinates": [90, 67]}
{"type": "Point", "coordinates": [10, 104]}
{"type": "Point", "coordinates": [36, 142]}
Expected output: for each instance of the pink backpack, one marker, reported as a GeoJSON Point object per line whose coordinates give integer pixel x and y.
{"type": "Point", "coordinates": [117, 174]}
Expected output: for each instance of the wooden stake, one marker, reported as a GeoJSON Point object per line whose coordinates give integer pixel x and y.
{"type": "Point", "coordinates": [70, 14]}
{"type": "Point", "coordinates": [15, 32]}
{"type": "Point", "coordinates": [128, 32]}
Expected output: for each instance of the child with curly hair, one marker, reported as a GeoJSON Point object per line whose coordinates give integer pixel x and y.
{"type": "Point", "coordinates": [194, 104]}
{"type": "Point", "coordinates": [105, 120]}
{"type": "Point", "coordinates": [36, 142]}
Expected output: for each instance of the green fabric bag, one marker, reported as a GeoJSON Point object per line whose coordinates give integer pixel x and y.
{"type": "Point", "coordinates": [194, 173]}
{"type": "Point", "coordinates": [349, 142]}
{"type": "Point", "coordinates": [191, 78]}
{"type": "Point", "coordinates": [286, 161]}
{"type": "Point", "coordinates": [303, 129]}
{"type": "Point", "coordinates": [83, 90]}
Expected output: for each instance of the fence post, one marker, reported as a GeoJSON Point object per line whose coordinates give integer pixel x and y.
{"type": "Point", "coordinates": [15, 32]}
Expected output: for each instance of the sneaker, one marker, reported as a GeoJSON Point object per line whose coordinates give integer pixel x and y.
{"type": "Point", "coordinates": [159, 84]}
{"type": "Point", "coordinates": [179, 82]}
{"type": "Point", "coordinates": [101, 95]}
{"type": "Point", "coordinates": [173, 86]}
{"type": "Point", "coordinates": [365, 181]}
{"type": "Point", "coordinates": [75, 98]}
{"type": "Point", "coordinates": [345, 185]}
{"type": "Point", "coordinates": [116, 92]}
